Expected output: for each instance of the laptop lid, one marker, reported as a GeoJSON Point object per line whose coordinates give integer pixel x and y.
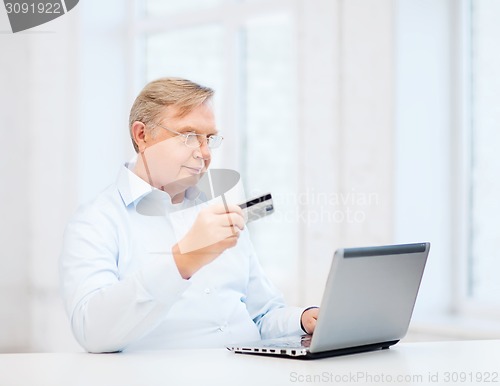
{"type": "Point", "coordinates": [369, 296]}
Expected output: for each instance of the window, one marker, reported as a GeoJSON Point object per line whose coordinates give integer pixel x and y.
{"type": "Point", "coordinates": [270, 143]}
{"type": "Point", "coordinates": [162, 7]}
{"type": "Point", "coordinates": [195, 53]}
{"type": "Point", "coordinates": [484, 264]}
{"type": "Point", "coordinates": [245, 51]}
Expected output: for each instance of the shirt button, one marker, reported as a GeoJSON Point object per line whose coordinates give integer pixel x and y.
{"type": "Point", "coordinates": [207, 291]}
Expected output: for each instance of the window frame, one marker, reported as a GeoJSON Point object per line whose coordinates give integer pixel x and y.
{"type": "Point", "coordinates": [463, 301]}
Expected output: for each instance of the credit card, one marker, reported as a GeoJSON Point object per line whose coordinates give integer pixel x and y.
{"type": "Point", "coordinates": [258, 207]}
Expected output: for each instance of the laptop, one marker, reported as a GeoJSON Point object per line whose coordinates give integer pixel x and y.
{"type": "Point", "coordinates": [367, 304]}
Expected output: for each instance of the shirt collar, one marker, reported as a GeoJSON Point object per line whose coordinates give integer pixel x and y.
{"type": "Point", "coordinates": [132, 188]}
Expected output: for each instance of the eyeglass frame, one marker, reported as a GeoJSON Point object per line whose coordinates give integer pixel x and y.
{"type": "Point", "coordinates": [186, 137]}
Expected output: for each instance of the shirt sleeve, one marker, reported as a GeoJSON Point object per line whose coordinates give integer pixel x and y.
{"type": "Point", "coordinates": [108, 312]}
{"type": "Point", "coordinates": [266, 305]}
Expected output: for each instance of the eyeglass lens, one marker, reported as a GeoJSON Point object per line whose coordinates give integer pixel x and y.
{"type": "Point", "coordinates": [194, 140]}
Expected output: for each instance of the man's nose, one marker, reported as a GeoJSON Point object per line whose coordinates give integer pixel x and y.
{"type": "Point", "coordinates": [204, 149]}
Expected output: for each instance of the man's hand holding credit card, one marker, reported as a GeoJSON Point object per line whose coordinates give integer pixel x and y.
{"type": "Point", "coordinates": [217, 228]}
{"type": "Point", "coordinates": [257, 207]}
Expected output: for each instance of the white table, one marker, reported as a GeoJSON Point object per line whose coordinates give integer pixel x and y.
{"type": "Point", "coordinates": [436, 363]}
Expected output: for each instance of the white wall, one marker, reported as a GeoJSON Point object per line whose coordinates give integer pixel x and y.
{"type": "Point", "coordinates": [14, 196]}
{"type": "Point", "coordinates": [38, 181]}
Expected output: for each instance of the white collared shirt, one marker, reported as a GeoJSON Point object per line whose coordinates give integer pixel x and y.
{"type": "Point", "coordinates": [123, 291]}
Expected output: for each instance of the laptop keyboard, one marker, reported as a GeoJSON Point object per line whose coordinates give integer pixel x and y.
{"type": "Point", "coordinates": [304, 341]}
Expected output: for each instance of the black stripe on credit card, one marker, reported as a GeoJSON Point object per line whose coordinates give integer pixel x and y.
{"type": "Point", "coordinates": [255, 201]}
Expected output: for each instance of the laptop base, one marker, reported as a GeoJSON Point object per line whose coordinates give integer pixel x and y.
{"type": "Point", "coordinates": [329, 353]}
{"type": "Point", "coordinates": [351, 350]}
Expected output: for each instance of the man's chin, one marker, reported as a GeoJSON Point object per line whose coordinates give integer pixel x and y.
{"type": "Point", "coordinates": [190, 180]}
{"type": "Point", "coordinates": [182, 184]}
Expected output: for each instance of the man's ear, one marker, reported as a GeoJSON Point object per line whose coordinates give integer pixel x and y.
{"type": "Point", "coordinates": [139, 135]}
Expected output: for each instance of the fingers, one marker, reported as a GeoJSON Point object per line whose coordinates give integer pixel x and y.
{"type": "Point", "coordinates": [232, 220]}
{"type": "Point", "coordinates": [229, 208]}
{"type": "Point", "coordinates": [229, 242]}
{"type": "Point", "coordinates": [214, 224]}
{"type": "Point", "coordinates": [229, 231]}
{"type": "Point", "coordinates": [229, 216]}
{"type": "Point", "coordinates": [312, 324]}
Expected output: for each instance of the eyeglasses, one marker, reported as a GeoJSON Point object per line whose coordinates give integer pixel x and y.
{"type": "Point", "coordinates": [194, 140]}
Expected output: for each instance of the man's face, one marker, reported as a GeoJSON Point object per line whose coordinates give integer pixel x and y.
{"type": "Point", "coordinates": [172, 165]}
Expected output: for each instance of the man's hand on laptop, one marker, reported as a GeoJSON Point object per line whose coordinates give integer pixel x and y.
{"type": "Point", "coordinates": [309, 318]}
